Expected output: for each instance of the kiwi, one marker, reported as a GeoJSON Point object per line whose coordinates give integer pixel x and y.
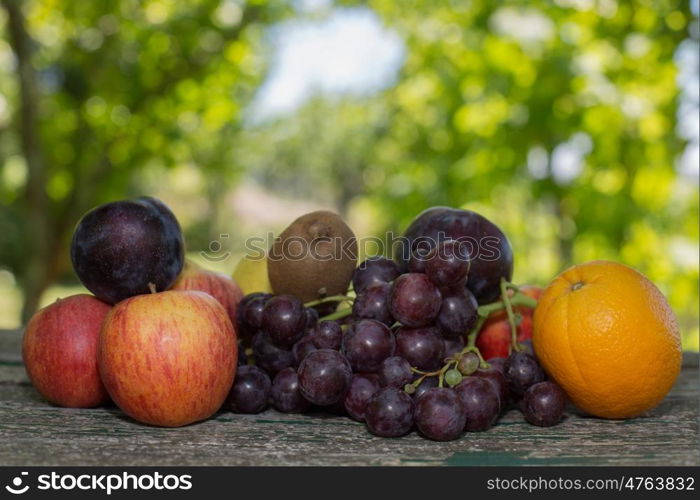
{"type": "Point", "coordinates": [314, 257]}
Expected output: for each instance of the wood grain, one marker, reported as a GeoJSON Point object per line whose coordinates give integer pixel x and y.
{"type": "Point", "coordinates": [37, 433]}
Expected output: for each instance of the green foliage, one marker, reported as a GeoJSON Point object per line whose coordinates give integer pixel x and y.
{"type": "Point", "coordinates": [491, 96]}
{"type": "Point", "coordinates": [490, 87]}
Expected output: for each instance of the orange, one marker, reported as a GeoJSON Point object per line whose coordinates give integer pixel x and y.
{"type": "Point", "coordinates": [608, 337]}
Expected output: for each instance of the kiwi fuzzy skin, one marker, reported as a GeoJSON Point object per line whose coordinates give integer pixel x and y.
{"type": "Point", "coordinates": [314, 257]}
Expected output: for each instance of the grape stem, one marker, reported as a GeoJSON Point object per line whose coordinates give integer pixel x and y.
{"type": "Point", "coordinates": [506, 303]}
{"type": "Point", "coordinates": [332, 298]}
{"type": "Point", "coordinates": [342, 313]}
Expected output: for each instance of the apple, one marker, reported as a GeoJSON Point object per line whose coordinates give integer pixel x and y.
{"type": "Point", "coordinates": [168, 358]}
{"type": "Point", "coordinates": [223, 288]}
{"type": "Point", "coordinates": [60, 348]}
{"type": "Point", "coordinates": [493, 340]}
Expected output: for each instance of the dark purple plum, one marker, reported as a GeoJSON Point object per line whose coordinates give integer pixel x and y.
{"type": "Point", "coordinates": [490, 253]}
{"type": "Point", "coordinates": [268, 356]}
{"type": "Point", "coordinates": [439, 414]}
{"type": "Point", "coordinates": [414, 301]}
{"type": "Point", "coordinates": [250, 391]}
{"type": "Point", "coordinates": [389, 413]}
{"type": "Point", "coordinates": [324, 377]}
{"type": "Point", "coordinates": [543, 404]}
{"type": "Point", "coordinates": [373, 303]}
{"type": "Point", "coordinates": [125, 248]}
{"type": "Point", "coordinates": [373, 271]}
{"type": "Point", "coordinates": [458, 313]}
{"type": "Point", "coordinates": [480, 401]}
{"type": "Point", "coordinates": [395, 372]}
{"type": "Point", "coordinates": [422, 347]}
{"type": "Point", "coordinates": [284, 319]}
{"type": "Point", "coordinates": [362, 388]}
{"type": "Point", "coordinates": [285, 394]}
{"type": "Point", "coordinates": [366, 344]}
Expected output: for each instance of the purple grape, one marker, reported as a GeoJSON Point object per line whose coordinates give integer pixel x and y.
{"type": "Point", "coordinates": [395, 372]}
{"type": "Point", "coordinates": [427, 383]}
{"type": "Point", "coordinates": [362, 388]}
{"type": "Point", "coordinates": [422, 347]}
{"type": "Point", "coordinates": [498, 380]}
{"type": "Point", "coordinates": [468, 363]}
{"type": "Point", "coordinates": [414, 301]}
{"type": "Point", "coordinates": [284, 319]}
{"type": "Point", "coordinates": [389, 413]}
{"type": "Point", "coordinates": [327, 335]}
{"type": "Point", "coordinates": [268, 356]}
{"type": "Point", "coordinates": [311, 318]}
{"type": "Point", "coordinates": [521, 371]}
{"type": "Point", "coordinates": [285, 394]}
{"type": "Point", "coordinates": [304, 346]}
{"type": "Point", "coordinates": [453, 346]}
{"type": "Point", "coordinates": [324, 377]}
{"type": "Point", "coordinates": [543, 404]}
{"type": "Point", "coordinates": [373, 271]}
{"type": "Point", "coordinates": [366, 344]}
{"type": "Point", "coordinates": [373, 303]}
{"type": "Point", "coordinates": [497, 363]}
{"type": "Point", "coordinates": [419, 257]}
{"type": "Point", "coordinates": [249, 313]}
{"type": "Point", "coordinates": [448, 264]}
{"type": "Point", "coordinates": [250, 390]}
{"type": "Point", "coordinates": [480, 401]}
{"type": "Point", "coordinates": [458, 313]}
{"type": "Point", "coordinates": [439, 414]}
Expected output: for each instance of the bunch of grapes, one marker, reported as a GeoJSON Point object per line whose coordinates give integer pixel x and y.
{"type": "Point", "coordinates": [400, 356]}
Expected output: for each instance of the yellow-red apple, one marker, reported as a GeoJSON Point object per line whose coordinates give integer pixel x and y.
{"type": "Point", "coordinates": [59, 350]}
{"type": "Point", "coordinates": [223, 288]}
{"type": "Point", "coordinates": [168, 358]}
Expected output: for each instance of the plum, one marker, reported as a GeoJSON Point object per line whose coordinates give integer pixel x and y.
{"type": "Point", "coordinates": [490, 252]}
{"type": "Point", "coordinates": [128, 247]}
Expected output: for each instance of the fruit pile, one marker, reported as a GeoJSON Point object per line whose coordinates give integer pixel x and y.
{"type": "Point", "coordinates": [437, 339]}
{"type": "Point", "coordinates": [400, 353]}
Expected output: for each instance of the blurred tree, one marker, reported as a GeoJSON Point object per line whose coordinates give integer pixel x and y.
{"type": "Point", "coordinates": [103, 90]}
{"type": "Point", "coordinates": [556, 119]}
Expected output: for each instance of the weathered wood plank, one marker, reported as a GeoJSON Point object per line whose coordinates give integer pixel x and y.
{"type": "Point", "coordinates": [34, 432]}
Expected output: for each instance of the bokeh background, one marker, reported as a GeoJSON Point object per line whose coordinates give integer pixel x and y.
{"type": "Point", "coordinates": [572, 124]}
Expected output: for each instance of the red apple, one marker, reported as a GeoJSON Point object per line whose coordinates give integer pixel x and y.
{"type": "Point", "coordinates": [493, 340]}
{"type": "Point", "coordinates": [223, 288]}
{"type": "Point", "coordinates": [60, 348]}
{"type": "Point", "coordinates": [168, 358]}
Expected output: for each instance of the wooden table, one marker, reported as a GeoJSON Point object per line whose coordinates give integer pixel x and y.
{"type": "Point", "coordinates": [33, 432]}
